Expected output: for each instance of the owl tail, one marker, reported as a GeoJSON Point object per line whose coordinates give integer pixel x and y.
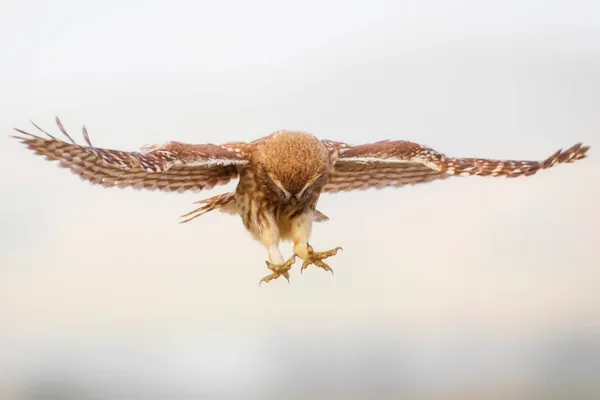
{"type": "Point", "coordinates": [318, 216]}
{"type": "Point", "coordinates": [225, 203]}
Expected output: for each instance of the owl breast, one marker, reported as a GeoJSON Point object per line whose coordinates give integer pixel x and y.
{"type": "Point", "coordinates": [282, 181]}
{"type": "Point", "coordinates": [261, 208]}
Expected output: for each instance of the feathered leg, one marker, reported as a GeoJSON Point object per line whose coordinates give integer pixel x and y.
{"type": "Point", "coordinates": [270, 238]}
{"type": "Point", "coordinates": [301, 230]}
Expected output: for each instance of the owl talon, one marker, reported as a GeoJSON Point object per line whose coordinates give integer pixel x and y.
{"type": "Point", "coordinates": [279, 270]}
{"type": "Point", "coordinates": [317, 257]}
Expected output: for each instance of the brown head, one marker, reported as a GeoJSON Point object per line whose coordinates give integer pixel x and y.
{"type": "Point", "coordinates": [295, 165]}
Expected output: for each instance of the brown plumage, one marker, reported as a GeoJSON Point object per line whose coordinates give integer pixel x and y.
{"type": "Point", "coordinates": [281, 177]}
{"type": "Point", "coordinates": [226, 204]}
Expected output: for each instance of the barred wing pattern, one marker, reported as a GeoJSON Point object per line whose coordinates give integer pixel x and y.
{"type": "Point", "coordinates": [171, 167]}
{"type": "Point", "coordinates": [398, 163]}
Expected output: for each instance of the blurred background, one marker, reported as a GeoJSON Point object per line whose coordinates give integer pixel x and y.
{"type": "Point", "coordinates": [463, 288]}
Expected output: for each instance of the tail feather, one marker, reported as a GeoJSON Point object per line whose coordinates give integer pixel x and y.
{"type": "Point", "coordinates": [223, 202]}
{"type": "Point", "coordinates": [320, 217]}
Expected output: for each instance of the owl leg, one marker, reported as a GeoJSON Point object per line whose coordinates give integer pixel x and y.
{"type": "Point", "coordinates": [316, 258]}
{"type": "Point", "coordinates": [276, 264]}
{"type": "Point", "coordinates": [279, 270]}
{"type": "Point", "coordinates": [301, 229]}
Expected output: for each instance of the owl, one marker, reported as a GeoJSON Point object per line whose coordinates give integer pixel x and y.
{"type": "Point", "coordinates": [280, 177]}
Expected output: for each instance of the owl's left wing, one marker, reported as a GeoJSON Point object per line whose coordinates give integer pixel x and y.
{"type": "Point", "coordinates": [398, 163]}
{"type": "Point", "coordinates": [171, 167]}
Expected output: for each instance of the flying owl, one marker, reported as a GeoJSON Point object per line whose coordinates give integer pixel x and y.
{"type": "Point", "coordinates": [280, 177]}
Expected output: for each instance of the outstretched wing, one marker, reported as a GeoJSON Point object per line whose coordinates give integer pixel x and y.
{"type": "Point", "coordinates": [171, 167]}
{"type": "Point", "coordinates": [398, 163]}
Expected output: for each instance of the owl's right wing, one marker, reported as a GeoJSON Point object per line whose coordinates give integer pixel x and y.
{"type": "Point", "coordinates": [398, 163]}
{"type": "Point", "coordinates": [171, 167]}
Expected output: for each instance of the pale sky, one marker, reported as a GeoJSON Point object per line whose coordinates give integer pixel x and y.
{"type": "Point", "coordinates": [499, 79]}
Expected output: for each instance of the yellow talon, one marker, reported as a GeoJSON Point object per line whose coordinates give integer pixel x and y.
{"type": "Point", "coordinates": [279, 270]}
{"type": "Point", "coordinates": [317, 257]}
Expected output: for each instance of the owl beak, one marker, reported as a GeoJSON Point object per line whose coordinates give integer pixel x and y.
{"type": "Point", "coordinates": [293, 200]}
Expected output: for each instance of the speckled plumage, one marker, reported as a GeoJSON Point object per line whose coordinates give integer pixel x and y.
{"type": "Point", "coordinates": [281, 177]}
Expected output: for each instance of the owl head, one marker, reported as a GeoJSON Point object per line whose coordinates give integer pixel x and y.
{"type": "Point", "coordinates": [295, 165]}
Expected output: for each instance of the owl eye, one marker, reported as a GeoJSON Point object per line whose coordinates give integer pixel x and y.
{"type": "Point", "coordinates": [318, 182]}
{"type": "Point", "coordinates": [310, 189]}
{"type": "Point", "coordinates": [307, 192]}
{"type": "Point", "coordinates": [275, 187]}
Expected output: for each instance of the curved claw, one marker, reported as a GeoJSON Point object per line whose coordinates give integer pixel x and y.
{"type": "Point", "coordinates": [265, 279]}
{"type": "Point", "coordinates": [286, 275]}
{"type": "Point", "coordinates": [317, 258]}
{"type": "Point", "coordinates": [278, 270]}
{"type": "Point", "coordinates": [326, 267]}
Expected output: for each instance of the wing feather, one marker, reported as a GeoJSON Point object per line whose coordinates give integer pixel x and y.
{"type": "Point", "coordinates": [171, 167]}
{"type": "Point", "coordinates": [398, 163]}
